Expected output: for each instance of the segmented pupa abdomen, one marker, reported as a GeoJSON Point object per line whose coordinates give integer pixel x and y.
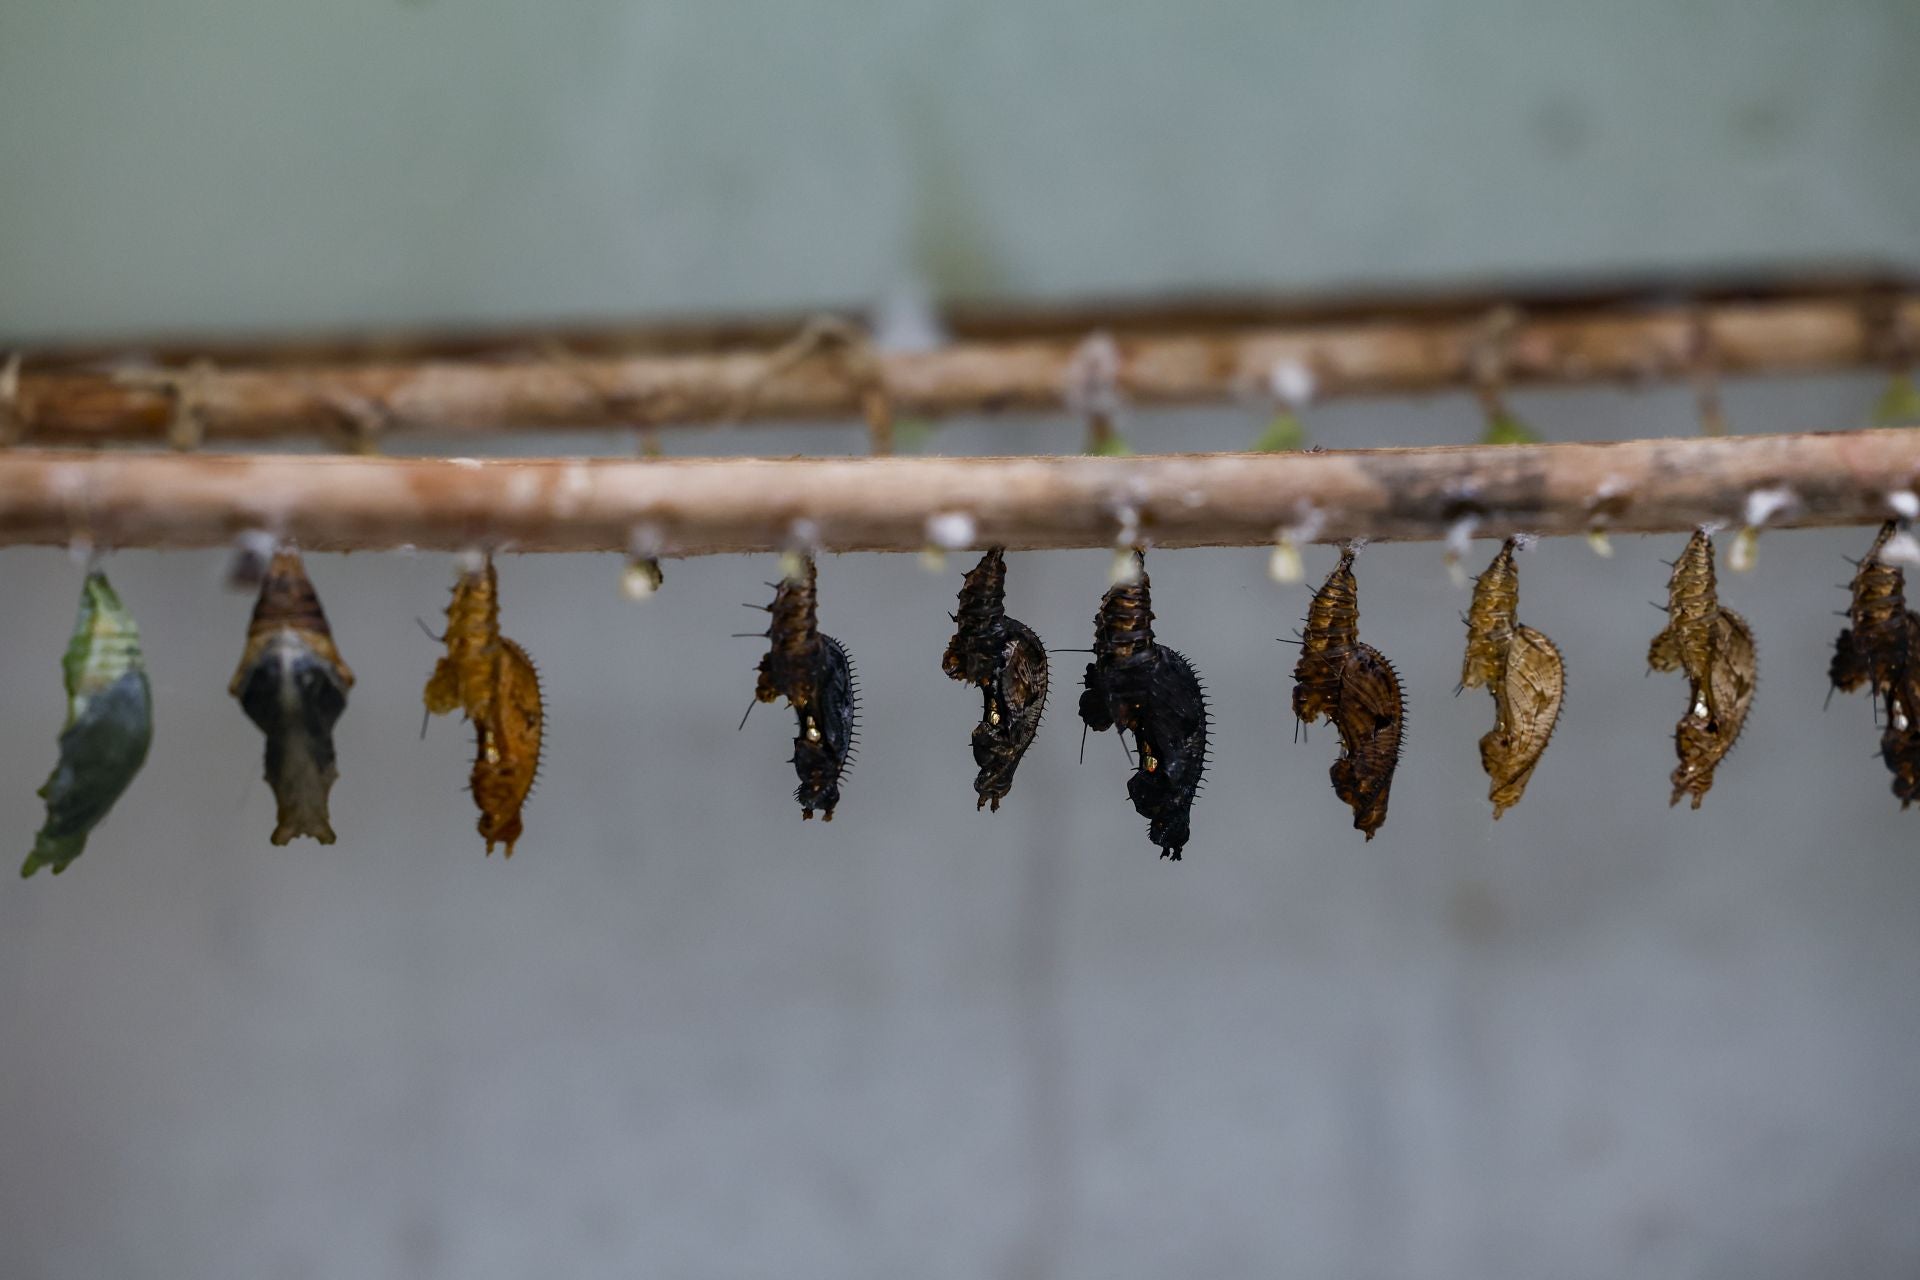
{"type": "Point", "coordinates": [463, 678]}
{"type": "Point", "coordinates": [1490, 621]}
{"type": "Point", "coordinates": [1693, 603]}
{"type": "Point", "coordinates": [1876, 649]}
{"type": "Point", "coordinates": [1123, 629]}
{"type": "Point", "coordinates": [1116, 681]}
{"type": "Point", "coordinates": [1332, 630]}
{"type": "Point", "coordinates": [974, 652]}
{"type": "Point", "coordinates": [788, 668]}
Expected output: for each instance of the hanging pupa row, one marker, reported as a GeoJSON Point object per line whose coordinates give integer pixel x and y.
{"type": "Point", "coordinates": [293, 684]}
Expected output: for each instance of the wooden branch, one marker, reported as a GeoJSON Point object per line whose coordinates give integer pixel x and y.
{"type": "Point", "coordinates": [703, 506]}
{"type": "Point", "coordinates": [999, 320]}
{"type": "Point", "coordinates": [1345, 355]}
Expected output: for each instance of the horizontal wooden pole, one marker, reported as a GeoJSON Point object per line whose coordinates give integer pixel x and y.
{"type": "Point", "coordinates": [705, 506]}
{"type": "Point", "coordinates": [1342, 354]}
{"type": "Point", "coordinates": [997, 320]}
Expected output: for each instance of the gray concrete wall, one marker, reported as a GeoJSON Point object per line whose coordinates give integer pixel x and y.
{"type": "Point", "coordinates": [684, 1034]}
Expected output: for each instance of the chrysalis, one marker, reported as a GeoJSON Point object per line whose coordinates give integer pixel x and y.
{"type": "Point", "coordinates": [293, 684]}
{"type": "Point", "coordinates": [109, 726]}
{"type": "Point", "coordinates": [1878, 650]}
{"type": "Point", "coordinates": [813, 673]}
{"type": "Point", "coordinates": [1005, 660]}
{"type": "Point", "coordinates": [1714, 647]}
{"type": "Point", "coordinates": [1522, 670]}
{"type": "Point", "coordinates": [1153, 693]}
{"type": "Point", "coordinates": [492, 681]}
{"type": "Point", "coordinates": [1351, 685]}
{"type": "Point", "coordinates": [507, 747]}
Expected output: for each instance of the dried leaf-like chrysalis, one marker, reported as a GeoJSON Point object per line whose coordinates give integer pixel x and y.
{"type": "Point", "coordinates": [109, 727]}
{"type": "Point", "coordinates": [813, 673]}
{"type": "Point", "coordinates": [292, 683]}
{"type": "Point", "coordinates": [1153, 693]}
{"type": "Point", "coordinates": [1713, 723]}
{"type": "Point", "coordinates": [1526, 708]}
{"type": "Point", "coordinates": [1351, 685]}
{"type": "Point", "coordinates": [1714, 647]}
{"type": "Point", "coordinates": [1005, 660]}
{"type": "Point", "coordinates": [1522, 669]}
{"type": "Point", "coordinates": [1879, 650]}
{"type": "Point", "coordinates": [490, 679]}
{"type": "Point", "coordinates": [1370, 716]}
{"type": "Point", "coordinates": [507, 747]}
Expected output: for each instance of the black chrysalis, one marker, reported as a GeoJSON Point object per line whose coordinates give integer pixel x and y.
{"type": "Point", "coordinates": [1005, 660]}
{"type": "Point", "coordinates": [1153, 693]}
{"type": "Point", "coordinates": [813, 673]}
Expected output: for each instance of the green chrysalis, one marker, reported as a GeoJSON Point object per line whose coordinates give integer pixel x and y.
{"type": "Point", "coordinates": [109, 726]}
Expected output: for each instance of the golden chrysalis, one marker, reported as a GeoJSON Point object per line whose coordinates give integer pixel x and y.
{"type": "Point", "coordinates": [1713, 646]}
{"type": "Point", "coordinates": [1523, 671]}
{"type": "Point", "coordinates": [494, 684]}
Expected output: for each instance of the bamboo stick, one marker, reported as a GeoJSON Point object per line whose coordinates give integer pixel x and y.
{"type": "Point", "coordinates": [1417, 351]}
{"type": "Point", "coordinates": [705, 506]}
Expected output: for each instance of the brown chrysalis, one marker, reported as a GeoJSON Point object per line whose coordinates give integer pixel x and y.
{"type": "Point", "coordinates": [292, 683]}
{"type": "Point", "coordinates": [1153, 693]}
{"type": "Point", "coordinates": [1522, 669]}
{"type": "Point", "coordinates": [1005, 660]}
{"type": "Point", "coordinates": [813, 673]}
{"type": "Point", "coordinates": [1351, 685]}
{"type": "Point", "coordinates": [490, 679]}
{"type": "Point", "coordinates": [1713, 646]}
{"type": "Point", "coordinates": [1878, 650]}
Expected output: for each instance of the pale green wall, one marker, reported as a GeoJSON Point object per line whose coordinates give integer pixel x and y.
{"type": "Point", "coordinates": [193, 162]}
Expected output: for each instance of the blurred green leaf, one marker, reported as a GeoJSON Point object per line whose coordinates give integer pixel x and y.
{"type": "Point", "coordinates": [1504, 428]}
{"type": "Point", "coordinates": [1110, 446]}
{"type": "Point", "coordinates": [1899, 404]}
{"type": "Point", "coordinates": [1285, 434]}
{"type": "Point", "coordinates": [911, 435]}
